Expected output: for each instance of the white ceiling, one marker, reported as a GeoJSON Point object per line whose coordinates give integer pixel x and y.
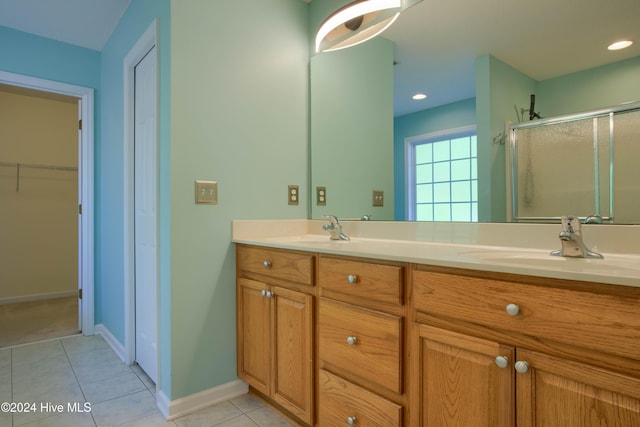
{"type": "Point", "coordinates": [86, 23]}
{"type": "Point", "coordinates": [436, 41]}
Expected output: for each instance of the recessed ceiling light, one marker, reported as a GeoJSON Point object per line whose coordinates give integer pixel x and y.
{"type": "Point", "coordinates": [419, 96]}
{"type": "Point", "coordinates": [620, 45]}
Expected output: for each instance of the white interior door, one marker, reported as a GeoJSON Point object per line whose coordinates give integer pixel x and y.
{"type": "Point", "coordinates": [146, 219]}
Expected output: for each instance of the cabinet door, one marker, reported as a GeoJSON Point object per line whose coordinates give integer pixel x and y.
{"type": "Point", "coordinates": [292, 362]}
{"type": "Point", "coordinates": [458, 382]}
{"type": "Point", "coordinates": [253, 334]}
{"type": "Point", "coordinates": [556, 392]}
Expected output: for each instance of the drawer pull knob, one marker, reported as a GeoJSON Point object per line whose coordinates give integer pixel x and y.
{"type": "Point", "coordinates": [269, 294]}
{"type": "Point", "coordinates": [352, 340]}
{"type": "Point", "coordinates": [263, 293]}
{"type": "Point", "coordinates": [351, 421]}
{"type": "Point", "coordinates": [502, 362]}
{"type": "Point", "coordinates": [267, 264]}
{"type": "Point", "coordinates": [513, 309]}
{"type": "Point", "coordinates": [352, 278]}
{"type": "Point", "coordinates": [522, 367]}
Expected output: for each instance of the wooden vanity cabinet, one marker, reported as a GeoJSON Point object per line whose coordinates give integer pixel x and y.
{"type": "Point", "coordinates": [361, 330]}
{"type": "Point", "coordinates": [492, 349]}
{"type": "Point", "coordinates": [275, 329]}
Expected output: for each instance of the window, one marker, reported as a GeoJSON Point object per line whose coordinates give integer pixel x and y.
{"type": "Point", "coordinates": [442, 176]}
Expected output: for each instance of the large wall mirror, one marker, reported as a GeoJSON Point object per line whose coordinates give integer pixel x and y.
{"type": "Point", "coordinates": [478, 64]}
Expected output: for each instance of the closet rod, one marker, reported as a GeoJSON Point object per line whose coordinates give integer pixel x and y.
{"type": "Point", "coordinates": [38, 166]}
{"type": "Point", "coordinates": [19, 166]}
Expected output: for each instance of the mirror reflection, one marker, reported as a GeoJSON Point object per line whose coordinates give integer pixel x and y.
{"type": "Point", "coordinates": [478, 71]}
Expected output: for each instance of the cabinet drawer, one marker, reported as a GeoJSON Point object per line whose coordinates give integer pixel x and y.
{"type": "Point", "coordinates": [292, 266]}
{"type": "Point", "coordinates": [340, 399]}
{"type": "Point", "coordinates": [605, 322]}
{"type": "Point", "coordinates": [375, 282]}
{"type": "Point", "coordinates": [376, 354]}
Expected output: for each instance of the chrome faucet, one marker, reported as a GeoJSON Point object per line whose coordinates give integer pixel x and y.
{"type": "Point", "coordinates": [334, 228]}
{"type": "Point", "coordinates": [571, 239]}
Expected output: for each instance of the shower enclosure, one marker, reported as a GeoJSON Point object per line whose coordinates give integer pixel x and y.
{"type": "Point", "coordinates": [584, 165]}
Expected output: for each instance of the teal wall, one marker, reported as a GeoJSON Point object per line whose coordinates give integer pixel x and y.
{"type": "Point", "coordinates": [500, 90]}
{"type": "Point", "coordinates": [109, 170]}
{"type": "Point", "coordinates": [34, 56]}
{"type": "Point", "coordinates": [592, 89]}
{"type": "Point", "coordinates": [455, 115]}
{"type": "Point", "coordinates": [352, 124]}
{"type": "Point", "coordinates": [239, 116]}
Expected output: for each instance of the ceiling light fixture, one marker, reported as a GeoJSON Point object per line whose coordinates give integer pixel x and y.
{"type": "Point", "coordinates": [355, 23]}
{"type": "Point", "coordinates": [620, 45]}
{"type": "Point", "coordinates": [419, 96]}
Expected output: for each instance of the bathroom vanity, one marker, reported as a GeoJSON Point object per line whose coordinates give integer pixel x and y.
{"type": "Point", "coordinates": [382, 332]}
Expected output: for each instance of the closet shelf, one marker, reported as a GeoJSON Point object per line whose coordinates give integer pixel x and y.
{"type": "Point", "coordinates": [38, 166]}
{"type": "Point", "coordinates": [19, 166]}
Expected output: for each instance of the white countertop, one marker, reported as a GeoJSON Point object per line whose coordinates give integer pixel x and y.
{"type": "Point", "coordinates": [615, 268]}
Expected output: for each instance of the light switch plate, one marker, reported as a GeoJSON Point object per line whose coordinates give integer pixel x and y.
{"type": "Point", "coordinates": [321, 196]}
{"type": "Point", "coordinates": [378, 198]}
{"type": "Point", "coordinates": [294, 195]}
{"type": "Point", "coordinates": [207, 192]}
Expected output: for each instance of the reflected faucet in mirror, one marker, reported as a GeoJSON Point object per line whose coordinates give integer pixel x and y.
{"type": "Point", "coordinates": [571, 239]}
{"type": "Point", "coordinates": [334, 228]}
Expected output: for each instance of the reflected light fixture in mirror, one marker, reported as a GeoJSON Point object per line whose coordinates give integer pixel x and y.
{"type": "Point", "coordinates": [355, 23]}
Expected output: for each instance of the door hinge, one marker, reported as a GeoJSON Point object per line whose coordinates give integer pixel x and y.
{"type": "Point", "coordinates": [80, 293]}
{"type": "Point", "coordinates": [80, 124]}
{"type": "Point", "coordinates": [80, 209]}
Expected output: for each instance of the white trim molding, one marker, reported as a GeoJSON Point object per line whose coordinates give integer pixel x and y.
{"type": "Point", "coordinates": [172, 409]}
{"type": "Point", "coordinates": [112, 341]}
{"type": "Point", "coordinates": [86, 179]}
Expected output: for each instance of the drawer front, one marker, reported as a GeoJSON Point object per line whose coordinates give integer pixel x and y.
{"type": "Point", "coordinates": [375, 282]}
{"type": "Point", "coordinates": [605, 322]}
{"type": "Point", "coordinates": [340, 400]}
{"type": "Point", "coordinates": [291, 266]}
{"type": "Point", "coordinates": [365, 343]}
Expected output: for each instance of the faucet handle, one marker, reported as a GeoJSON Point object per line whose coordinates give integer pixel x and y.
{"type": "Point", "coordinates": [571, 224]}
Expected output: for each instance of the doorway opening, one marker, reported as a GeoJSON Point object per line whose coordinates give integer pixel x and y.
{"type": "Point", "coordinates": [46, 183]}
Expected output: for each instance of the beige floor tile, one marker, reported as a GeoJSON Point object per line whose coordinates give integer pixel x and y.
{"type": "Point", "coordinates": [79, 344]}
{"type": "Point", "coordinates": [30, 353]}
{"type": "Point", "coordinates": [241, 421]}
{"type": "Point", "coordinates": [153, 420]}
{"type": "Point", "coordinates": [247, 403]}
{"type": "Point", "coordinates": [124, 409]}
{"type": "Point", "coordinates": [210, 416]}
{"type": "Point", "coordinates": [267, 417]}
{"type": "Point", "coordinates": [110, 388]}
{"type": "Point", "coordinates": [64, 420]}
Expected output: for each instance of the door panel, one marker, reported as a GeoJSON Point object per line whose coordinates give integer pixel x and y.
{"type": "Point", "coordinates": [146, 195]}
{"type": "Point", "coordinates": [561, 393]}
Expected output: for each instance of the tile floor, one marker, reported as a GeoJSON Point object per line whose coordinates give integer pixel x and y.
{"type": "Point", "coordinates": [78, 369]}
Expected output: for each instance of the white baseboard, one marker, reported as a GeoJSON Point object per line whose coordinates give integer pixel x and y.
{"type": "Point", "coordinates": [172, 409]}
{"type": "Point", "coordinates": [38, 297]}
{"type": "Point", "coordinates": [111, 340]}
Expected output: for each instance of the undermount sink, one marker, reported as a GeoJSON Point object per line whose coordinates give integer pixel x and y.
{"type": "Point", "coordinates": [545, 259]}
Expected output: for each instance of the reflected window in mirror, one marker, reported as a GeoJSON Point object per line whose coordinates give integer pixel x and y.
{"type": "Point", "coordinates": [442, 176]}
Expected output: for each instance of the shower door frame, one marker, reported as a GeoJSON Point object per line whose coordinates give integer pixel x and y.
{"type": "Point", "coordinates": [595, 115]}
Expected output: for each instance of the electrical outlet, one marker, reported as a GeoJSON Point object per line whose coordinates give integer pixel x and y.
{"type": "Point", "coordinates": [378, 198]}
{"type": "Point", "coordinates": [294, 195]}
{"type": "Point", "coordinates": [206, 192]}
{"type": "Point", "coordinates": [321, 196]}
